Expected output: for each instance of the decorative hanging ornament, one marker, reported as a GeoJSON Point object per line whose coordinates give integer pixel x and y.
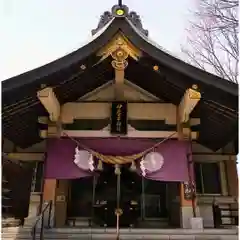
{"type": "Point", "coordinates": [152, 162]}
{"type": "Point", "coordinates": [142, 167]}
{"type": "Point", "coordinates": [91, 163]}
{"type": "Point", "coordinates": [133, 167]}
{"type": "Point", "coordinates": [100, 165]}
{"type": "Point", "coordinates": [83, 159]}
{"type": "Point", "coordinates": [117, 169]}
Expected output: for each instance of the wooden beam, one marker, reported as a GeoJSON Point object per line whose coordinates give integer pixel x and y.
{"type": "Point", "coordinates": [26, 156]}
{"type": "Point", "coordinates": [105, 133]}
{"type": "Point", "coordinates": [132, 93]}
{"type": "Point", "coordinates": [189, 101]}
{"type": "Point", "coordinates": [119, 84]}
{"type": "Point", "coordinates": [197, 157]}
{"type": "Point", "coordinates": [49, 100]}
{"type": "Point", "coordinates": [206, 157]}
{"type": "Point", "coordinates": [136, 111]}
{"type": "Point", "coordinates": [53, 130]}
{"type": "Point", "coordinates": [132, 134]}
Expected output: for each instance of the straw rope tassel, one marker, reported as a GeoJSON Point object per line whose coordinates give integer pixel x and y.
{"type": "Point", "coordinates": [100, 165]}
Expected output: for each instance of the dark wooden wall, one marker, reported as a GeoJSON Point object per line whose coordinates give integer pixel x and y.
{"type": "Point", "coordinates": [18, 180]}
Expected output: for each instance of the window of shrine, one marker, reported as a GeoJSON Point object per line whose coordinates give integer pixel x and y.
{"type": "Point", "coordinates": [207, 176]}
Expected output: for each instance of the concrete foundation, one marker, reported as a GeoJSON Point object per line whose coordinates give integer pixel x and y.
{"type": "Point", "coordinates": [34, 204]}
{"type": "Point", "coordinates": [33, 209]}
{"type": "Point", "coordinates": [186, 214]}
{"type": "Point", "coordinates": [196, 223]}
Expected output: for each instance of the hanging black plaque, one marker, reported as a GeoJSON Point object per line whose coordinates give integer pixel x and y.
{"type": "Point", "coordinates": [119, 118]}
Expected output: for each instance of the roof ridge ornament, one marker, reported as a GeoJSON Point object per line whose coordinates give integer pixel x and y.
{"type": "Point", "coordinates": [120, 11]}
{"type": "Point", "coordinates": [137, 22]}
{"type": "Point", "coordinates": [120, 2]}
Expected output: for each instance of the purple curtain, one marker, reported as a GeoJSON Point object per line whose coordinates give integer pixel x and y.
{"type": "Point", "coordinates": [60, 156]}
{"type": "Point", "coordinates": [175, 167]}
{"type": "Point", "coordinates": [59, 164]}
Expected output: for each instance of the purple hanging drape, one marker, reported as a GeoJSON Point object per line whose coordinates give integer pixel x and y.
{"type": "Point", "coordinates": [60, 156]}
{"type": "Point", "coordinates": [175, 167]}
{"type": "Point", "coordinates": [59, 163]}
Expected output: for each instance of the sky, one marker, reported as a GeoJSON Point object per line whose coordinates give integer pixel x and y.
{"type": "Point", "coordinates": [36, 32]}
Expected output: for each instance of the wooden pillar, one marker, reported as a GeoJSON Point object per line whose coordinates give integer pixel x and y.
{"type": "Point", "coordinates": [232, 177]}
{"type": "Point", "coordinates": [187, 206]}
{"type": "Point", "coordinates": [49, 193]}
{"type": "Point", "coordinates": [61, 201]}
{"type": "Point", "coordinates": [49, 189]}
{"type": "Point", "coordinates": [57, 191]}
{"type": "Point", "coordinates": [119, 64]}
{"type": "Point", "coordinates": [188, 209]}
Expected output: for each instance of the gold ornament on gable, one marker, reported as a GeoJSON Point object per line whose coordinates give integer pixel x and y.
{"type": "Point", "coordinates": [120, 49]}
{"type": "Point", "coordinates": [119, 56]}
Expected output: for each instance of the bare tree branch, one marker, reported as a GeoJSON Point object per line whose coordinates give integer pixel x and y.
{"type": "Point", "coordinates": [212, 42]}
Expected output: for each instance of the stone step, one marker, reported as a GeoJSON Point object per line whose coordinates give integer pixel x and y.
{"type": "Point", "coordinates": [133, 234]}
{"type": "Point", "coordinates": [85, 222]}
{"type": "Point", "coordinates": [146, 230]}
{"type": "Point", "coordinates": [29, 222]}
{"type": "Point", "coordinates": [160, 223]}
{"type": "Point", "coordinates": [10, 222]}
{"type": "Point", "coordinates": [122, 236]}
{"type": "Point", "coordinates": [127, 230]}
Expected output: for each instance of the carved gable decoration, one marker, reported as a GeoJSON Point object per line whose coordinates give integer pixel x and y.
{"type": "Point", "coordinates": [119, 44]}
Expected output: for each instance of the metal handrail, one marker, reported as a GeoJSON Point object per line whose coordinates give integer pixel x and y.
{"type": "Point", "coordinates": [41, 217]}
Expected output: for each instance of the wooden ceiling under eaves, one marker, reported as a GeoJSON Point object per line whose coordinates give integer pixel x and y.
{"type": "Point", "coordinates": [218, 109]}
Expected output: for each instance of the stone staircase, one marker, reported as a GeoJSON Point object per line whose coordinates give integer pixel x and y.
{"type": "Point", "coordinates": [10, 222]}
{"type": "Point", "coordinates": [13, 233]}
{"type": "Point", "coordinates": [85, 222]}
{"type": "Point", "coordinates": [161, 223]}
{"type": "Point", "coordinates": [127, 234]}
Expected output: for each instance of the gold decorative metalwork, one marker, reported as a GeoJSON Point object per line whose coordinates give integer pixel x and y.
{"type": "Point", "coordinates": [119, 56]}
{"type": "Point", "coordinates": [118, 212]}
{"type": "Point", "coordinates": [120, 49]}
{"type": "Point", "coordinates": [155, 68]}
{"type": "Point", "coordinates": [120, 12]}
{"type": "Point", "coordinates": [194, 94]}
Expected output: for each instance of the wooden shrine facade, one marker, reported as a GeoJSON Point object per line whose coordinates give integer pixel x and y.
{"type": "Point", "coordinates": [162, 96]}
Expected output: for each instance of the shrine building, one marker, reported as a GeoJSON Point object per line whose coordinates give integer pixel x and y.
{"type": "Point", "coordinates": [120, 133]}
